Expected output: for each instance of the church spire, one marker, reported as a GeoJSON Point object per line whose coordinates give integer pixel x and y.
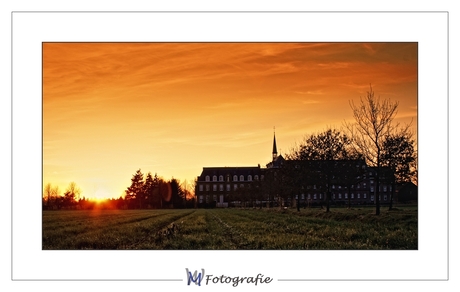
{"type": "Point", "coordinates": [275, 152]}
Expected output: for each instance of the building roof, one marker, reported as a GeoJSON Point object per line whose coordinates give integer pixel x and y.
{"type": "Point", "coordinates": [230, 170]}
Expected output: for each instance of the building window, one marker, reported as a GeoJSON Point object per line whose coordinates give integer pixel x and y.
{"type": "Point", "coordinates": [346, 196]}
{"type": "Point", "coordinates": [372, 189]}
{"type": "Point", "coordinates": [256, 177]}
{"type": "Point", "coordinates": [320, 196]}
{"type": "Point", "coordinates": [235, 186]}
{"type": "Point", "coordinates": [214, 198]}
{"type": "Point", "coordinates": [364, 185]}
{"type": "Point", "coordinates": [359, 196]}
{"type": "Point", "coordinates": [262, 177]}
{"type": "Point", "coordinates": [333, 186]}
{"type": "Point", "coordinates": [352, 195]}
{"type": "Point", "coordinates": [365, 196]}
{"type": "Point", "coordinates": [333, 196]}
{"type": "Point", "coordinates": [235, 178]}
{"type": "Point", "coordinates": [249, 177]}
{"type": "Point", "coordinates": [384, 188]}
{"type": "Point", "coordinates": [207, 187]}
{"type": "Point", "coordinates": [314, 196]}
{"type": "Point", "coordinates": [207, 178]}
{"type": "Point", "coordinates": [372, 198]}
{"type": "Point", "coordinates": [309, 197]}
{"type": "Point", "coordinates": [340, 187]}
{"type": "Point", "coordinates": [242, 186]}
{"type": "Point", "coordinates": [371, 181]}
{"type": "Point", "coordinates": [385, 197]}
{"type": "Point", "coordinates": [221, 188]}
{"type": "Point", "coordinates": [241, 177]}
{"type": "Point", "coordinates": [200, 188]}
{"type": "Point", "coordinates": [303, 196]}
{"type": "Point", "coordinates": [228, 188]}
{"type": "Point", "coordinates": [214, 178]}
{"type": "Point", "coordinates": [221, 178]}
{"type": "Point", "coordinates": [200, 200]}
{"type": "Point", "coordinates": [340, 196]}
{"type": "Point", "coordinates": [214, 188]}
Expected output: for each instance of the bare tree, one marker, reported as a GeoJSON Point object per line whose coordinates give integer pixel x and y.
{"type": "Point", "coordinates": [48, 192]}
{"type": "Point", "coordinates": [373, 123]}
{"type": "Point", "coordinates": [71, 195]}
{"type": "Point", "coordinates": [51, 196]}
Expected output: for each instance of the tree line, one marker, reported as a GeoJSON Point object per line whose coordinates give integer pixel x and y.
{"type": "Point", "coordinates": [154, 192]}
{"type": "Point", "coordinates": [149, 192]}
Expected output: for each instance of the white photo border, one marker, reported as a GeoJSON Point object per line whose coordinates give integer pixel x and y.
{"type": "Point", "coordinates": [31, 29]}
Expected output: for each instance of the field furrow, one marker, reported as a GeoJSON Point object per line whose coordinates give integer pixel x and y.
{"type": "Point", "coordinates": [230, 229]}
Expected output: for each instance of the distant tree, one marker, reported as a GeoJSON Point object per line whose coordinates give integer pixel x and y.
{"type": "Point", "coordinates": [373, 123]}
{"type": "Point", "coordinates": [71, 195]}
{"type": "Point", "coordinates": [189, 199]}
{"type": "Point", "coordinates": [399, 154]}
{"type": "Point", "coordinates": [50, 195]}
{"type": "Point", "coordinates": [177, 193]}
{"type": "Point", "coordinates": [159, 190]}
{"type": "Point", "coordinates": [194, 196]}
{"type": "Point", "coordinates": [149, 186]}
{"type": "Point", "coordinates": [47, 194]}
{"type": "Point", "coordinates": [135, 192]}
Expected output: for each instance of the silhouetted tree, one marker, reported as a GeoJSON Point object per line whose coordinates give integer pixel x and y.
{"type": "Point", "coordinates": [399, 155]}
{"type": "Point", "coordinates": [158, 189]}
{"type": "Point", "coordinates": [373, 123]}
{"type": "Point", "coordinates": [178, 195]}
{"type": "Point", "coordinates": [50, 195]}
{"type": "Point", "coordinates": [71, 195]}
{"type": "Point", "coordinates": [47, 195]}
{"type": "Point", "coordinates": [134, 193]}
{"type": "Point", "coordinates": [149, 186]}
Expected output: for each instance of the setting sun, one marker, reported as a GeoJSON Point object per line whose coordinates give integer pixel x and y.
{"type": "Point", "coordinates": [101, 194]}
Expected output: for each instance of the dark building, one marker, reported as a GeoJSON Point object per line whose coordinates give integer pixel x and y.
{"type": "Point", "coordinates": [351, 182]}
{"type": "Point", "coordinates": [224, 186]}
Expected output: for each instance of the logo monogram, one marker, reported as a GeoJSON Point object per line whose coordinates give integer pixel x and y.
{"type": "Point", "coordinates": [196, 277]}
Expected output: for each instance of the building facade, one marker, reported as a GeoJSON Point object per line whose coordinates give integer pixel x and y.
{"type": "Point", "coordinates": [255, 186]}
{"type": "Point", "coordinates": [225, 186]}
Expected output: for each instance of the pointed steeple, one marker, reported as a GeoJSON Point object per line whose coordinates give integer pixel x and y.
{"type": "Point", "coordinates": [275, 152]}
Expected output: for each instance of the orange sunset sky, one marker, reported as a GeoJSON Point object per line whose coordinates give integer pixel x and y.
{"type": "Point", "coordinates": [174, 108]}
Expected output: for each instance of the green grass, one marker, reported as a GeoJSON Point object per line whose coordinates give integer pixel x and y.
{"type": "Point", "coordinates": [232, 229]}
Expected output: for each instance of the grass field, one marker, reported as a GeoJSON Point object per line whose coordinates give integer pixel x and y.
{"type": "Point", "coordinates": [230, 229]}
